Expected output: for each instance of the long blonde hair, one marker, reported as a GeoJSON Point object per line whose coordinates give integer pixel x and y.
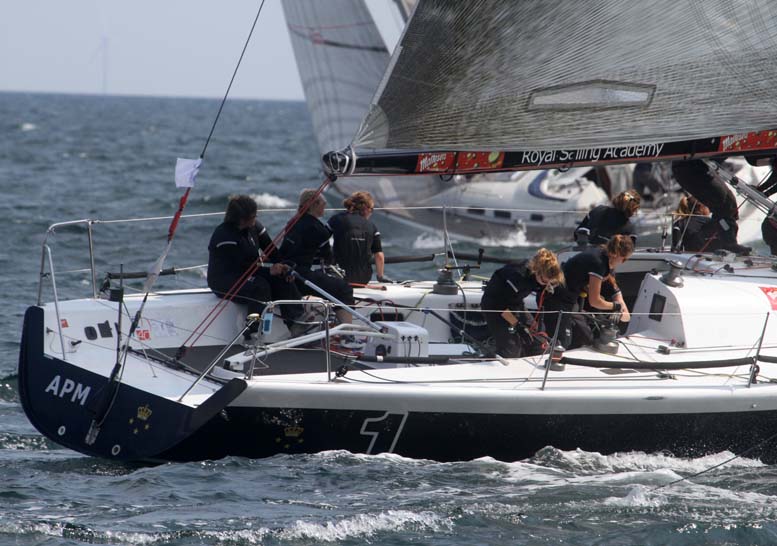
{"type": "Point", "coordinates": [545, 264]}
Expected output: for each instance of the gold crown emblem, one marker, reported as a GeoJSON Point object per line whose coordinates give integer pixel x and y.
{"type": "Point", "coordinates": [144, 412]}
{"type": "Point", "coordinates": [293, 432]}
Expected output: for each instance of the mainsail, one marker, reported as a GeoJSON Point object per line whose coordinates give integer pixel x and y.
{"type": "Point", "coordinates": [544, 83]}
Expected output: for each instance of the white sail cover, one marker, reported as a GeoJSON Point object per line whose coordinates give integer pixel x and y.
{"type": "Point", "coordinates": [341, 58]}
{"type": "Point", "coordinates": [567, 74]}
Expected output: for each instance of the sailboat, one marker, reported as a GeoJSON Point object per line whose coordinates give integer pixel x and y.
{"type": "Point", "coordinates": [695, 373]}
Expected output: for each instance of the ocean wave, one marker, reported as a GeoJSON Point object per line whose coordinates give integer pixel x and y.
{"type": "Point", "coordinates": [362, 526]}
{"type": "Point", "coordinates": [367, 526]}
{"type": "Point", "coordinates": [90, 535]}
{"type": "Point", "coordinates": [427, 241]}
{"type": "Point", "coordinates": [23, 442]}
{"type": "Point", "coordinates": [515, 239]}
{"type": "Point", "coordinates": [271, 201]}
{"type": "Point", "coordinates": [343, 455]}
{"type": "Point", "coordinates": [9, 388]}
{"type": "Point", "coordinates": [24, 127]}
{"type": "Point", "coordinates": [582, 462]}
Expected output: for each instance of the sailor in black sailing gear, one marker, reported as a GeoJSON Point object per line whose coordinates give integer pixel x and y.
{"type": "Point", "coordinates": [357, 240]}
{"type": "Point", "coordinates": [589, 282]}
{"type": "Point", "coordinates": [605, 221]}
{"type": "Point", "coordinates": [692, 228]}
{"type": "Point", "coordinates": [503, 297]}
{"type": "Point", "coordinates": [308, 242]}
{"type": "Point", "coordinates": [695, 178]}
{"type": "Point", "coordinates": [236, 244]}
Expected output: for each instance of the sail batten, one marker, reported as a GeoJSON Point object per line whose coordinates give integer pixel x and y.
{"type": "Point", "coordinates": [549, 75]}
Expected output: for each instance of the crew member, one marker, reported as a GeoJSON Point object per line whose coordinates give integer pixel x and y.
{"type": "Point", "coordinates": [589, 282]}
{"type": "Point", "coordinates": [503, 297]}
{"type": "Point", "coordinates": [235, 246]}
{"type": "Point", "coordinates": [692, 229]}
{"type": "Point", "coordinates": [308, 242]}
{"type": "Point", "coordinates": [695, 178]}
{"type": "Point", "coordinates": [604, 221]}
{"type": "Point", "coordinates": [357, 240]}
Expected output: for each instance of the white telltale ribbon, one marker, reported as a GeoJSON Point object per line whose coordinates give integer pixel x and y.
{"type": "Point", "coordinates": [186, 172]}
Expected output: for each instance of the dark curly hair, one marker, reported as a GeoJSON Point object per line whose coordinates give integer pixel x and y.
{"type": "Point", "coordinates": [239, 208]}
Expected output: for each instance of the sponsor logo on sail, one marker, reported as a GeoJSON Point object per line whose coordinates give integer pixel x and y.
{"type": "Point", "coordinates": [539, 158]}
{"type": "Point", "coordinates": [435, 162]}
{"type": "Point", "coordinates": [748, 141]}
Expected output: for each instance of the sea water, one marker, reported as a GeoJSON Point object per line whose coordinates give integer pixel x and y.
{"type": "Point", "coordinates": [110, 158]}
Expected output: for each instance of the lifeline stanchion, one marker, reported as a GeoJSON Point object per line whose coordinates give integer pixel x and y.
{"type": "Point", "coordinates": [552, 348]}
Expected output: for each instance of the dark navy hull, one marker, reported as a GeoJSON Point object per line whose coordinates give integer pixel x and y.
{"type": "Point", "coordinates": [60, 399]}
{"type": "Point", "coordinates": [260, 432]}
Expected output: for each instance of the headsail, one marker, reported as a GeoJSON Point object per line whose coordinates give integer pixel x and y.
{"type": "Point", "coordinates": [341, 59]}
{"type": "Point", "coordinates": [543, 83]}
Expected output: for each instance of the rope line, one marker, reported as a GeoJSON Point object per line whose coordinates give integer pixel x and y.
{"type": "Point", "coordinates": [745, 452]}
{"type": "Point", "coordinates": [229, 87]}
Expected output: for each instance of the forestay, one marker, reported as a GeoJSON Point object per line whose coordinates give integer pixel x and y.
{"type": "Point", "coordinates": [537, 76]}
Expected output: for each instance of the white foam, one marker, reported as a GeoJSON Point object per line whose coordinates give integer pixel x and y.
{"type": "Point", "coordinates": [638, 461]}
{"type": "Point", "coordinates": [427, 241]}
{"type": "Point", "coordinates": [271, 201]}
{"type": "Point", "coordinates": [366, 525]}
{"type": "Point", "coordinates": [515, 239]}
{"type": "Point", "coordinates": [638, 496]}
{"type": "Point", "coordinates": [27, 127]}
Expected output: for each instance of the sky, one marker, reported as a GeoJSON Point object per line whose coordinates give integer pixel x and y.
{"type": "Point", "coordinates": [153, 47]}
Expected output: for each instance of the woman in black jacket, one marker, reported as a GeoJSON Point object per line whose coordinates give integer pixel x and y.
{"type": "Point", "coordinates": [235, 246]}
{"type": "Point", "coordinates": [604, 221]}
{"type": "Point", "coordinates": [502, 301]}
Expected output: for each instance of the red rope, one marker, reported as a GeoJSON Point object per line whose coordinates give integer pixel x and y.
{"type": "Point", "coordinates": [177, 217]}
{"type": "Point", "coordinates": [535, 324]}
